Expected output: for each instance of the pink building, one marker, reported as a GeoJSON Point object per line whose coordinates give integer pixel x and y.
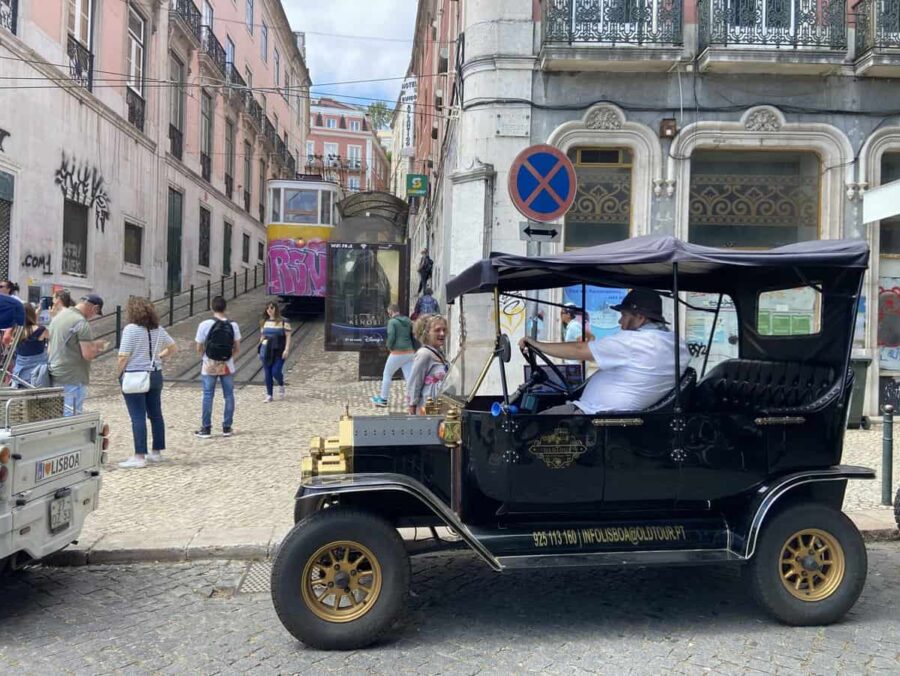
{"type": "Point", "coordinates": [342, 142]}
{"type": "Point", "coordinates": [139, 137]}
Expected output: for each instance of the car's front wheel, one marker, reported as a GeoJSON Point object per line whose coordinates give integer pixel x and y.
{"type": "Point", "coordinates": [340, 579]}
{"type": "Point", "coordinates": [809, 567]}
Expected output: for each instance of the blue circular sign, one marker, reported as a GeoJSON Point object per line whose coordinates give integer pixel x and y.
{"type": "Point", "coordinates": [542, 183]}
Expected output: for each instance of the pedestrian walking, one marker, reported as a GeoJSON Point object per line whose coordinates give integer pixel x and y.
{"type": "Point", "coordinates": [274, 346]}
{"type": "Point", "coordinates": [142, 349]}
{"type": "Point", "coordinates": [429, 366]}
{"type": "Point", "coordinates": [426, 305]}
{"type": "Point", "coordinates": [400, 345]}
{"type": "Point", "coordinates": [72, 348]}
{"type": "Point", "coordinates": [425, 269]}
{"type": "Point", "coordinates": [219, 341]}
{"type": "Point", "coordinates": [31, 352]}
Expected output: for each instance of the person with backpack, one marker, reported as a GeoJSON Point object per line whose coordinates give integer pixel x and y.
{"type": "Point", "coordinates": [219, 341]}
{"type": "Point", "coordinates": [426, 305]}
{"type": "Point", "coordinates": [402, 352]}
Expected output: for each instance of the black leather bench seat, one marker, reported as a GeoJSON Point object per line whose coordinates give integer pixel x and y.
{"type": "Point", "coordinates": [753, 385]}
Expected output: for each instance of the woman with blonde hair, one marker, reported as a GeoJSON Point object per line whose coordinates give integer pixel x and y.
{"type": "Point", "coordinates": [429, 366]}
{"type": "Point", "coordinates": [143, 346]}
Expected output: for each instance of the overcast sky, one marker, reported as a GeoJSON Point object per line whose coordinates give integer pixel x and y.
{"type": "Point", "coordinates": [333, 59]}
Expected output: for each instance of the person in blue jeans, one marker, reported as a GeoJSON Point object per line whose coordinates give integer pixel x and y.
{"type": "Point", "coordinates": [219, 341]}
{"type": "Point", "coordinates": [274, 345]}
{"type": "Point", "coordinates": [143, 346]}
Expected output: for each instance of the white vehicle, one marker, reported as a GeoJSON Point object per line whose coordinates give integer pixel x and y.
{"type": "Point", "coordinates": [49, 470]}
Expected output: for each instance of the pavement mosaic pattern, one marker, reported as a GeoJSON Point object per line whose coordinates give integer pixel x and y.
{"type": "Point", "coordinates": [463, 619]}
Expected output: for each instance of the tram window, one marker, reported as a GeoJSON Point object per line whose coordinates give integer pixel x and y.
{"type": "Point", "coordinates": [301, 206]}
{"type": "Point", "coordinates": [325, 208]}
{"type": "Point", "coordinates": [276, 205]}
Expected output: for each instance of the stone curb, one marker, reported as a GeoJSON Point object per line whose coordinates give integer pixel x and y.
{"type": "Point", "coordinates": [259, 544]}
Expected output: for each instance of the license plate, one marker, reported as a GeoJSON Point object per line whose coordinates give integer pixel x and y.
{"type": "Point", "coordinates": [57, 465]}
{"type": "Point", "coordinates": [60, 513]}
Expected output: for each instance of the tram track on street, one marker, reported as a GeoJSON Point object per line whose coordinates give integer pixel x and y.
{"type": "Point", "coordinates": [248, 369]}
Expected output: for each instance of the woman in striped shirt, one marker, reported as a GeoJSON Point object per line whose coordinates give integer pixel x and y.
{"type": "Point", "coordinates": [143, 346]}
{"type": "Point", "coordinates": [274, 345]}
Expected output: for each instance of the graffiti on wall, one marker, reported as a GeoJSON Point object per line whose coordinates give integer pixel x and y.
{"type": "Point", "coordinates": [3, 136]}
{"type": "Point", "coordinates": [84, 184]}
{"type": "Point", "coordinates": [297, 270]}
{"type": "Point", "coordinates": [40, 262]}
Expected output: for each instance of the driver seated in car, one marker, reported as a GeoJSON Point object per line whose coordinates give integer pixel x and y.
{"type": "Point", "coordinates": [635, 366]}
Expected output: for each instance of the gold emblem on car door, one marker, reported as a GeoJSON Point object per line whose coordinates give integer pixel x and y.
{"type": "Point", "coordinates": [559, 449]}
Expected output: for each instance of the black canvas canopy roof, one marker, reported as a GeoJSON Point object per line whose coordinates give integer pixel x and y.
{"type": "Point", "coordinates": [647, 262]}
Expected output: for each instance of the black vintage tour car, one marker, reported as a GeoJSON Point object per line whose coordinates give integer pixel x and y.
{"type": "Point", "coordinates": [739, 464]}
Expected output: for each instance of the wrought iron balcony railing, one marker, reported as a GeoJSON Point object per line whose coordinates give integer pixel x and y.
{"type": "Point", "coordinates": [212, 48]}
{"type": "Point", "coordinates": [234, 79]}
{"type": "Point", "coordinates": [229, 186]}
{"type": "Point", "coordinates": [135, 104]}
{"type": "Point", "coordinates": [175, 141]}
{"type": "Point", "coordinates": [254, 110]}
{"type": "Point", "coordinates": [186, 11]}
{"type": "Point", "coordinates": [280, 150]}
{"type": "Point", "coordinates": [9, 10]}
{"type": "Point", "coordinates": [205, 166]}
{"type": "Point", "coordinates": [247, 201]}
{"type": "Point", "coordinates": [613, 22]}
{"type": "Point", "coordinates": [291, 166]}
{"type": "Point", "coordinates": [816, 24]}
{"type": "Point", "coordinates": [269, 132]}
{"type": "Point", "coordinates": [81, 63]}
{"type": "Point", "coordinates": [877, 25]}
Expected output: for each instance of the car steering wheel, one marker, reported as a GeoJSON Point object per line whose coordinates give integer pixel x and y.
{"type": "Point", "coordinates": [531, 353]}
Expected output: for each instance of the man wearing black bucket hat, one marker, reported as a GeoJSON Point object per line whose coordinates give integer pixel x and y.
{"type": "Point", "coordinates": [635, 365]}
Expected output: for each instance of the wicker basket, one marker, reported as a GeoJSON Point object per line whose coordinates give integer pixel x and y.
{"type": "Point", "coordinates": [28, 406]}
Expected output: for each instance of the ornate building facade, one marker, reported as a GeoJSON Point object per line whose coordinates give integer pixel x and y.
{"type": "Point", "coordinates": [745, 124]}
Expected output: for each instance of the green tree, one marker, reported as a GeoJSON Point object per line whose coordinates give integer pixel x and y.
{"type": "Point", "coordinates": [379, 114]}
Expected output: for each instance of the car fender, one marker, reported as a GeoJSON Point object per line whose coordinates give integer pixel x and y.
{"type": "Point", "coordinates": [774, 493]}
{"type": "Point", "coordinates": [316, 491]}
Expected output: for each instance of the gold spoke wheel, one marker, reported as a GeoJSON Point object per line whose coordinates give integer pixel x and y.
{"type": "Point", "coordinates": [812, 564]}
{"type": "Point", "coordinates": [341, 581]}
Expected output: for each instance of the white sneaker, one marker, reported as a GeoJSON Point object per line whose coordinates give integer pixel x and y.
{"type": "Point", "coordinates": [281, 392]}
{"type": "Point", "coordinates": [133, 463]}
{"type": "Point", "coordinates": [267, 399]}
{"type": "Point", "coordinates": [154, 457]}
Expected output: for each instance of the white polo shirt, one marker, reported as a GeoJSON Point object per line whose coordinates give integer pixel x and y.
{"type": "Point", "coordinates": [637, 368]}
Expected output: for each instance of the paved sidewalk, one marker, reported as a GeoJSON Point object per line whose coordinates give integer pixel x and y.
{"type": "Point", "coordinates": [234, 497]}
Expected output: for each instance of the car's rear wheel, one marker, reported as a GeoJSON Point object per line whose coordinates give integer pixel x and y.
{"type": "Point", "coordinates": [340, 579]}
{"type": "Point", "coordinates": [810, 565]}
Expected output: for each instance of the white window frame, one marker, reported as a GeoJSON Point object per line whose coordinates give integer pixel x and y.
{"type": "Point", "coordinates": [80, 20]}
{"type": "Point", "coordinates": [206, 136]}
{"type": "Point", "coordinates": [353, 183]}
{"type": "Point", "coordinates": [354, 155]}
{"type": "Point", "coordinates": [276, 59]}
{"type": "Point", "coordinates": [139, 226]}
{"type": "Point", "coordinates": [176, 107]}
{"type": "Point", "coordinates": [331, 123]}
{"type": "Point", "coordinates": [331, 153]}
{"type": "Point", "coordinates": [209, 14]}
{"type": "Point", "coordinates": [248, 15]}
{"type": "Point", "coordinates": [135, 57]}
{"type": "Point", "coordinates": [310, 149]}
{"type": "Point", "coordinates": [230, 51]}
{"type": "Point", "coordinates": [355, 125]}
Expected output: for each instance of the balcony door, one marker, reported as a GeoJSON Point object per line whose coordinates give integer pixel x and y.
{"type": "Point", "coordinates": [173, 250]}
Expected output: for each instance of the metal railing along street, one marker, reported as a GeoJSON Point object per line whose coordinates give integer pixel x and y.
{"type": "Point", "coordinates": [184, 305]}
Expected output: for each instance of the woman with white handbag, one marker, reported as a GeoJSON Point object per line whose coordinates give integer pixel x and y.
{"type": "Point", "coordinates": [143, 346]}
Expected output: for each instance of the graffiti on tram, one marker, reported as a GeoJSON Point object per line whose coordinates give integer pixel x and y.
{"type": "Point", "coordinates": [297, 270]}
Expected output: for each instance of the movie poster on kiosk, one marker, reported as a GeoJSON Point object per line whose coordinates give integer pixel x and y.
{"type": "Point", "coordinates": [363, 280]}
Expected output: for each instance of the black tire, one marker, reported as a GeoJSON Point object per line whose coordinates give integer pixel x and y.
{"type": "Point", "coordinates": [298, 551]}
{"type": "Point", "coordinates": [764, 572]}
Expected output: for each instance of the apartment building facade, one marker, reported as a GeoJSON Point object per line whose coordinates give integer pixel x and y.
{"type": "Point", "coordinates": [728, 124]}
{"type": "Point", "coordinates": [343, 144]}
{"type": "Point", "coordinates": [139, 136]}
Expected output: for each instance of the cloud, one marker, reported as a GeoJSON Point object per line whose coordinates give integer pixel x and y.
{"type": "Point", "coordinates": [333, 59]}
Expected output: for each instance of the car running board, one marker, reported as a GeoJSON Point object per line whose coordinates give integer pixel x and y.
{"type": "Point", "coordinates": [643, 558]}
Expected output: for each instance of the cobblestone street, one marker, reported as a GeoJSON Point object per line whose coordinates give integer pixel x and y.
{"type": "Point", "coordinates": [463, 619]}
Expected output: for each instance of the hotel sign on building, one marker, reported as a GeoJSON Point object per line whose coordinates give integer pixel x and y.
{"type": "Point", "coordinates": [407, 103]}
